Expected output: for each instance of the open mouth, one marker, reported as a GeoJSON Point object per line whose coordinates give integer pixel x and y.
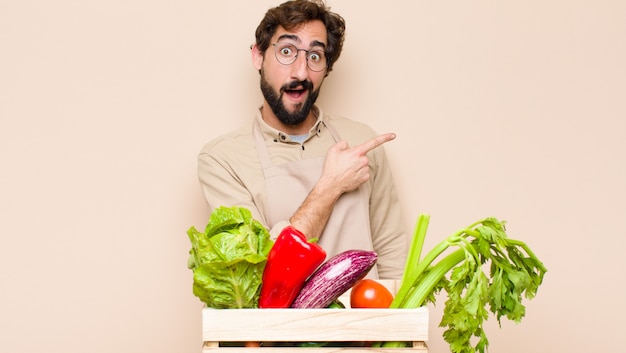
{"type": "Point", "coordinates": [296, 90]}
{"type": "Point", "coordinates": [295, 93]}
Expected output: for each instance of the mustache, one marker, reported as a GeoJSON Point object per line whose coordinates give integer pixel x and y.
{"type": "Point", "coordinates": [306, 84]}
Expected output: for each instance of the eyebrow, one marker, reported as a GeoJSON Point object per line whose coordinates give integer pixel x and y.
{"type": "Point", "coordinates": [295, 38]}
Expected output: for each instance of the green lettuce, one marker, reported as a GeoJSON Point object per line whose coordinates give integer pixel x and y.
{"type": "Point", "coordinates": [228, 259]}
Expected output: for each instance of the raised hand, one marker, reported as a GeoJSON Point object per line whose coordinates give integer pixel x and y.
{"type": "Point", "coordinates": [346, 168]}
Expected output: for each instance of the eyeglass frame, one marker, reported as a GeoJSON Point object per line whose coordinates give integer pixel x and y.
{"type": "Point", "coordinates": [295, 57]}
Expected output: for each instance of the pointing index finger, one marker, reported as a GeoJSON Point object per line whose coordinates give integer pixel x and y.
{"type": "Point", "coordinates": [375, 142]}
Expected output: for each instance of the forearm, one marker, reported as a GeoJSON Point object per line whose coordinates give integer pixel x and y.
{"type": "Point", "coordinates": [312, 216]}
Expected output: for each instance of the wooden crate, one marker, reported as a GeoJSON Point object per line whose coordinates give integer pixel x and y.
{"type": "Point", "coordinates": [315, 325]}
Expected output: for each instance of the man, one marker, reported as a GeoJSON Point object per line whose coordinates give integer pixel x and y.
{"type": "Point", "coordinates": [294, 165]}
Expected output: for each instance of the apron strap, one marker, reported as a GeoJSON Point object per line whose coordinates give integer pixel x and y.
{"type": "Point", "coordinates": [261, 148]}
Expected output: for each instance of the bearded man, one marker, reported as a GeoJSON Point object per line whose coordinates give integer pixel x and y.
{"type": "Point", "coordinates": [294, 165]}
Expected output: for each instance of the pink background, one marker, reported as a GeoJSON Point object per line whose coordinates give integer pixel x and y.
{"type": "Point", "coordinates": [512, 109]}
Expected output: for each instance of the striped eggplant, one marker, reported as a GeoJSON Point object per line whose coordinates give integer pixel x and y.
{"type": "Point", "coordinates": [334, 277]}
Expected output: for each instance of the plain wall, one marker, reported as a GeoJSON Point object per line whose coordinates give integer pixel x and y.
{"type": "Point", "coordinates": [512, 109]}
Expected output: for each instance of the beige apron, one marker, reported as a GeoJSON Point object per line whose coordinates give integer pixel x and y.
{"type": "Point", "coordinates": [288, 184]}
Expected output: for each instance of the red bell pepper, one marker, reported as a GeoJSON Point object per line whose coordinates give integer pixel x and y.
{"type": "Point", "coordinates": [290, 262]}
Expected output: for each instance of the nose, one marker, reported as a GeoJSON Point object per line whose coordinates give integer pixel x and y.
{"type": "Point", "coordinates": [299, 68]}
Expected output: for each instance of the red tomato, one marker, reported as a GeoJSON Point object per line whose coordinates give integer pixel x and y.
{"type": "Point", "coordinates": [368, 293]}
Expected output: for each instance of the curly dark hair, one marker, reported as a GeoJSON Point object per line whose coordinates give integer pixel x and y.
{"type": "Point", "coordinates": [293, 13]}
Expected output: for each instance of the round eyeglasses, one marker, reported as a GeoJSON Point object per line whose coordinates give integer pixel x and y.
{"type": "Point", "coordinates": [286, 54]}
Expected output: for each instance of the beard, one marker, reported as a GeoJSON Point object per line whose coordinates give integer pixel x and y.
{"type": "Point", "coordinates": [275, 101]}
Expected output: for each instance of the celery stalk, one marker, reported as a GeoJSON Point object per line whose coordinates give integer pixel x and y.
{"type": "Point", "coordinates": [431, 279]}
{"type": "Point", "coordinates": [412, 273]}
{"type": "Point", "coordinates": [408, 284]}
{"type": "Point", "coordinates": [417, 244]}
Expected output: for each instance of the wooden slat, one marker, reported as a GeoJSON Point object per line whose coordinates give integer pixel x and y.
{"type": "Point", "coordinates": [315, 324]}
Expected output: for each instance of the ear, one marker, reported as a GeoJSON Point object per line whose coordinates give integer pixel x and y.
{"type": "Point", "coordinates": [257, 57]}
